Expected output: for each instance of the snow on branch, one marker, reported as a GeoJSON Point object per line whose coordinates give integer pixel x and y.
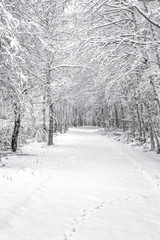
{"type": "Point", "coordinates": [111, 23]}
{"type": "Point", "coordinates": [70, 66]}
{"type": "Point", "coordinates": [147, 18]}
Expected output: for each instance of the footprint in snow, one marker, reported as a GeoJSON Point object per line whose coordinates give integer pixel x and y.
{"type": "Point", "coordinates": [74, 229]}
{"type": "Point", "coordinates": [100, 206]}
{"type": "Point", "coordinates": [75, 222]}
{"type": "Point", "coordinates": [145, 196]}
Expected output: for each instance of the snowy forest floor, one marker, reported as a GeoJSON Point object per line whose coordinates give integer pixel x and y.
{"type": "Point", "coordinates": [126, 137]}
{"type": "Point", "coordinates": [85, 187]}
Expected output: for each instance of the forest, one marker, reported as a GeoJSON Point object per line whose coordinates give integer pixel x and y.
{"type": "Point", "coordinates": [75, 63]}
{"type": "Point", "coordinates": [79, 119]}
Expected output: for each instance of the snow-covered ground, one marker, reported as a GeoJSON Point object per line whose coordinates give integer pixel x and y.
{"type": "Point", "coordinates": [86, 187]}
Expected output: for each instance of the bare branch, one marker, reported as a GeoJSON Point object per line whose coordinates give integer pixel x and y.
{"type": "Point", "coordinates": [147, 18]}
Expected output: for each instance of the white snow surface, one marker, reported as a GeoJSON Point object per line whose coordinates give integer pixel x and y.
{"type": "Point", "coordinates": [85, 187]}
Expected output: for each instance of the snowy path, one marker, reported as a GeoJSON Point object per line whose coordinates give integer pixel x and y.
{"type": "Point", "coordinates": [87, 187]}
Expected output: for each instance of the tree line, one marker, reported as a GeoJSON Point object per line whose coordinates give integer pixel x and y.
{"type": "Point", "coordinates": [71, 63]}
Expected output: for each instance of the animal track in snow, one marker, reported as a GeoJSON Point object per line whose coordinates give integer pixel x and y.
{"type": "Point", "coordinates": [86, 212]}
{"type": "Point", "coordinates": [146, 175]}
{"type": "Point", "coordinates": [76, 223]}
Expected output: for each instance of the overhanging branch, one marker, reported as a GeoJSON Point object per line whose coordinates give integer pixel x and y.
{"type": "Point", "coordinates": [147, 18]}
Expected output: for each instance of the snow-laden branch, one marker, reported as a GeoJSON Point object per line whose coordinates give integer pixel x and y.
{"type": "Point", "coordinates": [33, 74]}
{"type": "Point", "coordinates": [69, 66]}
{"type": "Point", "coordinates": [147, 18]}
{"type": "Point", "coordinates": [111, 23]}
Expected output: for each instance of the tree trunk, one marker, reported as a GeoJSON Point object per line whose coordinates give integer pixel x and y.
{"type": "Point", "coordinates": [44, 114]}
{"type": "Point", "coordinates": [61, 119]}
{"type": "Point", "coordinates": [143, 125]}
{"type": "Point", "coordinates": [155, 94]}
{"type": "Point", "coordinates": [123, 121]}
{"type": "Point", "coordinates": [51, 119]}
{"type": "Point", "coordinates": [116, 117]}
{"type": "Point", "coordinates": [157, 143]}
{"type": "Point", "coordinates": [66, 123]}
{"type": "Point", "coordinates": [15, 131]}
{"type": "Point", "coordinates": [44, 123]}
{"type": "Point", "coordinates": [132, 123]}
{"type": "Point", "coordinates": [151, 129]}
{"type": "Point", "coordinates": [151, 137]}
{"type": "Point", "coordinates": [139, 121]}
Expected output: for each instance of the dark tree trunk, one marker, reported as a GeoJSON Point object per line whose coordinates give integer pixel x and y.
{"type": "Point", "coordinates": [80, 120]}
{"type": "Point", "coordinates": [55, 124]}
{"type": "Point", "coordinates": [16, 132]}
{"type": "Point", "coordinates": [151, 137]}
{"type": "Point", "coordinates": [44, 115]}
{"type": "Point", "coordinates": [116, 117]}
{"type": "Point", "coordinates": [151, 128]}
{"type": "Point", "coordinates": [66, 123]}
{"type": "Point", "coordinates": [139, 121]}
{"type": "Point", "coordinates": [157, 143]}
{"type": "Point", "coordinates": [132, 124]}
{"type": "Point", "coordinates": [103, 124]}
{"type": "Point", "coordinates": [51, 129]}
{"type": "Point", "coordinates": [61, 120]}
{"type": "Point", "coordinates": [143, 125]}
{"type": "Point", "coordinates": [75, 117]}
{"type": "Point", "coordinates": [123, 121]}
